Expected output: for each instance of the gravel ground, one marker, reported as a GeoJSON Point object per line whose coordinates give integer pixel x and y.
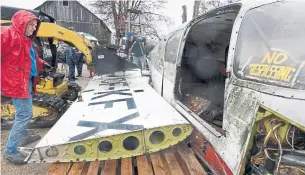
{"type": "Point", "coordinates": [32, 169]}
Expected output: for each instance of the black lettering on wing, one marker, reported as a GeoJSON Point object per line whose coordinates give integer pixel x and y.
{"type": "Point", "coordinates": [102, 126]}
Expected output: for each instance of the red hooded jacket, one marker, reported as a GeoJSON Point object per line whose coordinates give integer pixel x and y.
{"type": "Point", "coordinates": [15, 56]}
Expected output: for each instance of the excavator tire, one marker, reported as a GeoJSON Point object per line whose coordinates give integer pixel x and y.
{"type": "Point", "coordinates": [55, 106]}
{"type": "Point", "coordinates": [72, 93]}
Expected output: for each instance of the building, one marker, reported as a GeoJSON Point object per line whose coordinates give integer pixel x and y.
{"type": "Point", "coordinates": [74, 14]}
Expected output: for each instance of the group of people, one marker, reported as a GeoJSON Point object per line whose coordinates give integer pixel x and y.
{"type": "Point", "coordinates": [73, 58]}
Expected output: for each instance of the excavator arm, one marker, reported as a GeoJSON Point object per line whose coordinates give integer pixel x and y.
{"type": "Point", "coordinates": [52, 30]}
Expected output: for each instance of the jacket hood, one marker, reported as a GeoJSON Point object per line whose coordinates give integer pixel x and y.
{"type": "Point", "coordinates": [21, 19]}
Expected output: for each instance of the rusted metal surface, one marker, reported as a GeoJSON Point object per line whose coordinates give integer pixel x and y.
{"type": "Point", "coordinates": [208, 153]}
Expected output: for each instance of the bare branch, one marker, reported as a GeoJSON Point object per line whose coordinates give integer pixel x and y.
{"type": "Point", "coordinates": [111, 12]}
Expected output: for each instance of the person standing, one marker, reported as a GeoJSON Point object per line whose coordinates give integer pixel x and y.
{"type": "Point", "coordinates": [135, 47]}
{"type": "Point", "coordinates": [71, 60]}
{"type": "Point", "coordinates": [61, 55]}
{"type": "Point", "coordinates": [80, 61]}
{"type": "Point", "coordinates": [20, 65]}
{"type": "Point", "coordinates": [91, 66]}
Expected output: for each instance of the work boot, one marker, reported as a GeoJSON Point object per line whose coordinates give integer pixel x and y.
{"type": "Point", "coordinates": [17, 158]}
{"type": "Point", "coordinates": [29, 139]}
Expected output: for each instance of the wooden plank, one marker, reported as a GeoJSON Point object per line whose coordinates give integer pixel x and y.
{"type": "Point", "coordinates": [59, 169]}
{"type": "Point", "coordinates": [143, 166]}
{"type": "Point", "coordinates": [188, 161]}
{"type": "Point", "coordinates": [172, 162]}
{"type": "Point", "coordinates": [86, 168]}
{"type": "Point", "coordinates": [93, 168]}
{"type": "Point", "coordinates": [126, 166]}
{"type": "Point", "coordinates": [158, 165]}
{"type": "Point", "coordinates": [110, 167]}
{"type": "Point", "coordinates": [77, 168]}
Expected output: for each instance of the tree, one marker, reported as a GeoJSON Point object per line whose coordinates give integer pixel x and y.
{"type": "Point", "coordinates": [115, 13]}
{"type": "Point", "coordinates": [184, 14]}
{"type": "Point", "coordinates": [196, 8]}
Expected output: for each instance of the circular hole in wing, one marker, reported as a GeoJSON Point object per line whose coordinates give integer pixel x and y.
{"type": "Point", "coordinates": [177, 132]}
{"type": "Point", "coordinates": [52, 152]}
{"type": "Point", "coordinates": [131, 143]}
{"type": "Point", "coordinates": [105, 146]}
{"type": "Point", "coordinates": [156, 137]}
{"type": "Point", "coordinates": [79, 149]}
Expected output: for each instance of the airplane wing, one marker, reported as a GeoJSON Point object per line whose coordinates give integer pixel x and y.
{"type": "Point", "coordinates": [119, 115]}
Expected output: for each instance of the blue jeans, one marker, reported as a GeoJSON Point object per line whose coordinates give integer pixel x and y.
{"type": "Point", "coordinates": [71, 74]}
{"type": "Point", "coordinates": [23, 115]}
{"type": "Point", "coordinates": [79, 67]}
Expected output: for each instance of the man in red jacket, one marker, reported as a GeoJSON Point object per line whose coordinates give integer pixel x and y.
{"type": "Point", "coordinates": [20, 65]}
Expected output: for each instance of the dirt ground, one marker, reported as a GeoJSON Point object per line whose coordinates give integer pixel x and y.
{"type": "Point", "coordinates": [32, 169]}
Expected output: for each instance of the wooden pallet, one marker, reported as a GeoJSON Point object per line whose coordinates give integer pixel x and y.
{"type": "Point", "coordinates": [177, 160]}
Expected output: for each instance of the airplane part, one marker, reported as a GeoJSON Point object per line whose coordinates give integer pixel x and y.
{"type": "Point", "coordinates": [231, 73]}
{"type": "Point", "coordinates": [277, 144]}
{"type": "Point", "coordinates": [116, 116]}
{"type": "Point", "coordinates": [201, 74]}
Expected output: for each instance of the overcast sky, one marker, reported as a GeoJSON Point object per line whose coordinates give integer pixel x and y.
{"type": "Point", "coordinates": [173, 10]}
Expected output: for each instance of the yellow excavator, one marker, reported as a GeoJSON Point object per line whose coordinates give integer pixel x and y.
{"type": "Point", "coordinates": [54, 92]}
